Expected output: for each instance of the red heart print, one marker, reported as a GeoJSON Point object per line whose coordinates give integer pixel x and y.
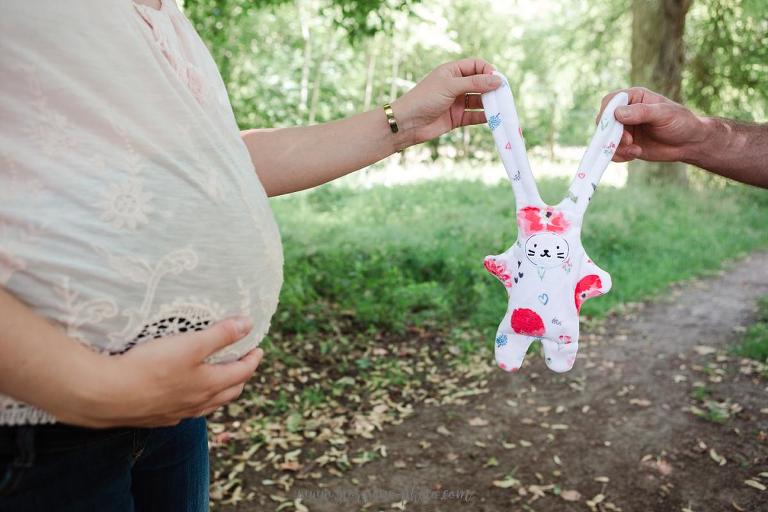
{"type": "Point", "coordinates": [582, 175]}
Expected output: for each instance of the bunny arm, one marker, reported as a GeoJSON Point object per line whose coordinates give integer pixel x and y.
{"type": "Point", "coordinates": [505, 267]}
{"type": "Point", "coordinates": [592, 282]}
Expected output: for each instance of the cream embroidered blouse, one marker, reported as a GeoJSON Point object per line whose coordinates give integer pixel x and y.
{"type": "Point", "coordinates": [129, 206]}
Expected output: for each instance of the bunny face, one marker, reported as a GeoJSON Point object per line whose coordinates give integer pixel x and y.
{"type": "Point", "coordinates": [546, 250]}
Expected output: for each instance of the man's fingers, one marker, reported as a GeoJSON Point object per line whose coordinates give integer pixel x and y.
{"type": "Point", "coordinates": [625, 154]}
{"type": "Point", "coordinates": [637, 95]}
{"type": "Point", "coordinates": [220, 335]}
{"type": "Point", "coordinates": [606, 99]}
{"type": "Point", "coordinates": [226, 375]}
{"type": "Point", "coordinates": [626, 138]}
{"type": "Point", "coordinates": [640, 113]}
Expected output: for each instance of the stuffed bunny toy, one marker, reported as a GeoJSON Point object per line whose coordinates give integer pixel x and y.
{"type": "Point", "coordinates": [547, 273]}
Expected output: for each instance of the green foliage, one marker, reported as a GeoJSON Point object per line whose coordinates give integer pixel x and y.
{"type": "Point", "coordinates": [307, 61]}
{"type": "Point", "coordinates": [755, 342]}
{"type": "Point", "coordinates": [728, 58]}
{"type": "Point", "coordinates": [393, 257]}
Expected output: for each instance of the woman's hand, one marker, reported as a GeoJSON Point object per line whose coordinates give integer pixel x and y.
{"type": "Point", "coordinates": [159, 382]}
{"type": "Point", "coordinates": [297, 158]}
{"type": "Point", "coordinates": [164, 381]}
{"type": "Point", "coordinates": [436, 104]}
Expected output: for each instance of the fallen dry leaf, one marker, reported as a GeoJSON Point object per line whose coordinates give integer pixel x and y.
{"type": "Point", "coordinates": [594, 502]}
{"type": "Point", "coordinates": [754, 483]}
{"type": "Point", "coordinates": [570, 495]}
{"type": "Point", "coordinates": [506, 483]}
{"type": "Point", "coordinates": [717, 457]}
{"type": "Point", "coordinates": [478, 422]}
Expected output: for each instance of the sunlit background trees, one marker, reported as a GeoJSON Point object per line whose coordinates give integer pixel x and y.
{"type": "Point", "coordinates": [307, 61]}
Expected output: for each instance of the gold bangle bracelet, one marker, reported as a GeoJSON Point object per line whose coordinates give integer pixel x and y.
{"type": "Point", "coordinates": [390, 117]}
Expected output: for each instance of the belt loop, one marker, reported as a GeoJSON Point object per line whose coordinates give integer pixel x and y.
{"type": "Point", "coordinates": [25, 442]}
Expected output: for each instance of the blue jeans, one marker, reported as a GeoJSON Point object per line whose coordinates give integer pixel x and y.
{"type": "Point", "coordinates": [65, 468]}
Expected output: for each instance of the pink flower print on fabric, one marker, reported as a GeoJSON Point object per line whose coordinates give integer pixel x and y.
{"type": "Point", "coordinates": [534, 220]}
{"type": "Point", "coordinates": [588, 287]}
{"type": "Point", "coordinates": [499, 270]}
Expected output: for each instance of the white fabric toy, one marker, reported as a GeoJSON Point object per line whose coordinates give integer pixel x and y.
{"type": "Point", "coordinates": [546, 272]}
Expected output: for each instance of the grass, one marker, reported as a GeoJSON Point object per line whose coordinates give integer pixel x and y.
{"type": "Point", "coordinates": [754, 345]}
{"type": "Point", "coordinates": [389, 258]}
{"type": "Point", "coordinates": [386, 307]}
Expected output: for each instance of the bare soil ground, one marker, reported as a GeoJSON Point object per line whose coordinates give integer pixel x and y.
{"type": "Point", "coordinates": [656, 415]}
{"type": "Point", "coordinates": [622, 414]}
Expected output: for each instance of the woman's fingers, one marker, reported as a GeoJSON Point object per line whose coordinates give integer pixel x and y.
{"type": "Point", "coordinates": [222, 398]}
{"type": "Point", "coordinates": [472, 66]}
{"type": "Point", "coordinates": [475, 83]}
{"type": "Point", "coordinates": [225, 375]}
{"type": "Point", "coordinates": [470, 118]}
{"type": "Point", "coordinates": [218, 336]}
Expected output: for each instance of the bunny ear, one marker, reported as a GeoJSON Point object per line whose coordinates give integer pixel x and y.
{"type": "Point", "coordinates": [499, 106]}
{"type": "Point", "coordinates": [599, 153]}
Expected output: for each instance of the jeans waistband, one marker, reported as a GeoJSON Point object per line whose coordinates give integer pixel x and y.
{"type": "Point", "coordinates": [58, 436]}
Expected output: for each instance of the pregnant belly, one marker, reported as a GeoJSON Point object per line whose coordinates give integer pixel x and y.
{"type": "Point", "coordinates": [194, 262]}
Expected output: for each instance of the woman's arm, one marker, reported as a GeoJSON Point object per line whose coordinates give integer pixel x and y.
{"type": "Point", "coordinates": [291, 159]}
{"type": "Point", "coordinates": [152, 384]}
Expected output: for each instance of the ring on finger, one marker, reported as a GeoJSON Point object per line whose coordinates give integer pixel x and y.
{"type": "Point", "coordinates": [467, 107]}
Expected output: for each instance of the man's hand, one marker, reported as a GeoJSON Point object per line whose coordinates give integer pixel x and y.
{"type": "Point", "coordinates": [660, 130]}
{"type": "Point", "coordinates": [655, 128]}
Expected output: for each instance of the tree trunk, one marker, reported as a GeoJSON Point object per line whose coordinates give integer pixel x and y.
{"type": "Point", "coordinates": [657, 63]}
{"type": "Point", "coordinates": [371, 55]}
{"type": "Point", "coordinates": [306, 36]}
{"type": "Point", "coordinates": [317, 82]}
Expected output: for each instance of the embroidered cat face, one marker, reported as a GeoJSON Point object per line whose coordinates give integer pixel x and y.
{"type": "Point", "coordinates": [546, 250]}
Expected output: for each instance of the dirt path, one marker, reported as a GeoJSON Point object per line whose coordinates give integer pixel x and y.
{"type": "Point", "coordinates": [619, 426]}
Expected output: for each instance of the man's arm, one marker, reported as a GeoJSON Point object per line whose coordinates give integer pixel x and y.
{"type": "Point", "coordinates": [291, 159]}
{"type": "Point", "coordinates": [658, 129]}
{"type": "Point", "coordinates": [732, 149]}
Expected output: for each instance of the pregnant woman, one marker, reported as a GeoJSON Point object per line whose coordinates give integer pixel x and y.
{"type": "Point", "coordinates": [131, 209]}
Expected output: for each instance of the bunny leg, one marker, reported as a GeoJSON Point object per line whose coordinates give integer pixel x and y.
{"type": "Point", "coordinates": [510, 350]}
{"type": "Point", "coordinates": [560, 354]}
